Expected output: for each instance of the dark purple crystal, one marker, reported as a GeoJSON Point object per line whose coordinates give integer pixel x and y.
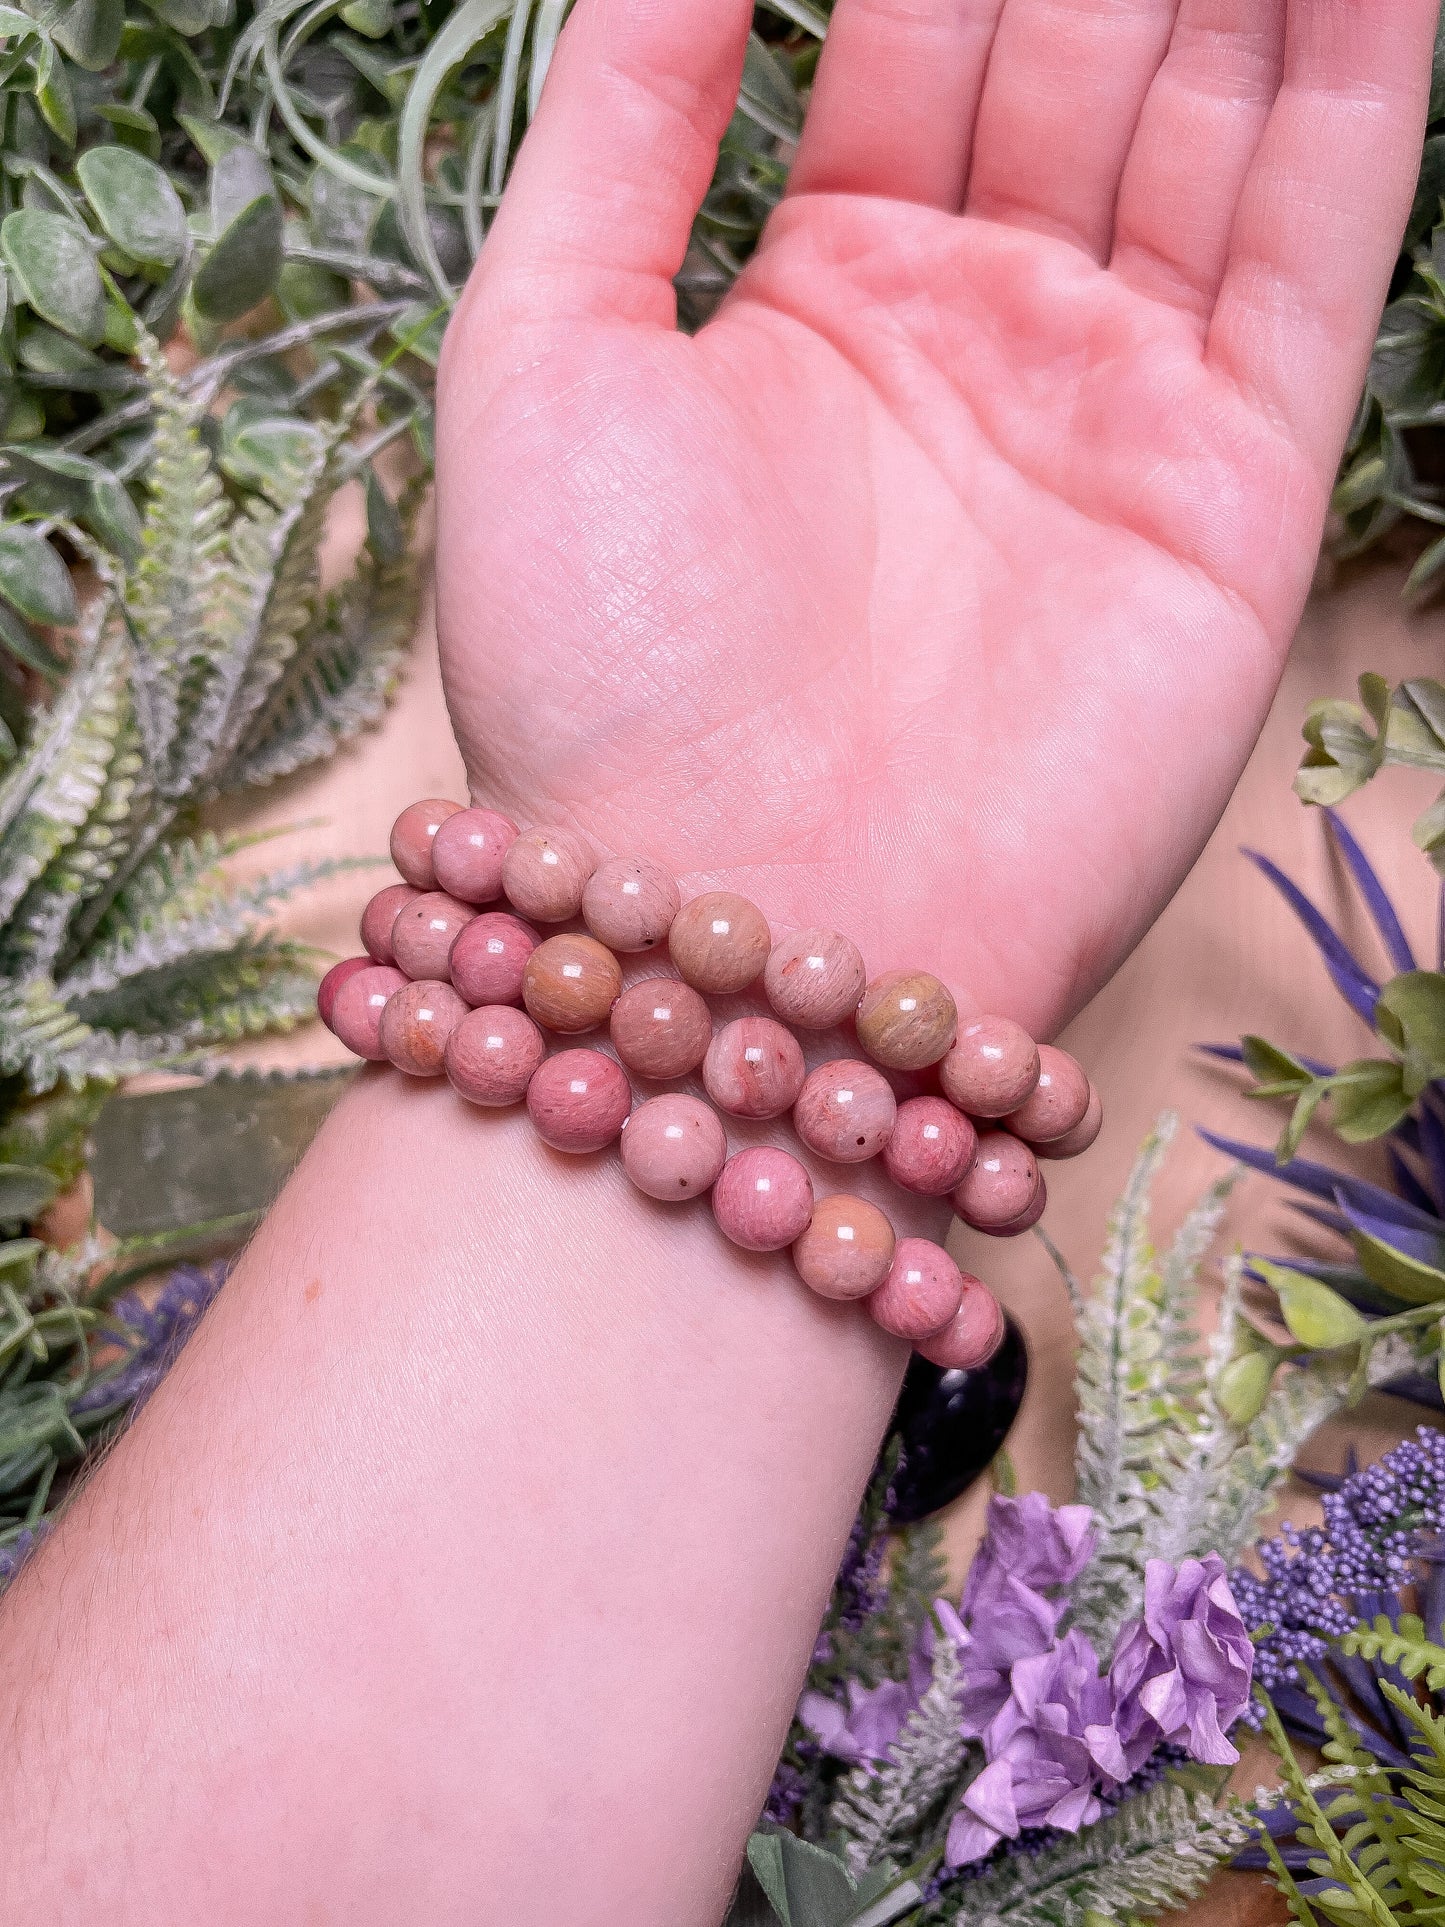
{"type": "Point", "coordinates": [951, 1425]}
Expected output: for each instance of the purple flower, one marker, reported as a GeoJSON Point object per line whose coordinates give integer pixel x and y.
{"type": "Point", "coordinates": [1182, 1670]}
{"type": "Point", "coordinates": [866, 1727]}
{"type": "Point", "coordinates": [1030, 1549]}
{"type": "Point", "coordinates": [1040, 1545]}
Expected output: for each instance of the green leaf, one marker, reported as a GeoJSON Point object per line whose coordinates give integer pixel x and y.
{"type": "Point", "coordinates": [135, 204]}
{"type": "Point", "coordinates": [806, 1886]}
{"type": "Point", "coordinates": [1368, 1098]}
{"type": "Point", "coordinates": [1242, 1386]}
{"type": "Point", "coordinates": [54, 98]}
{"type": "Point", "coordinates": [239, 176]}
{"type": "Point", "coordinates": [33, 579]}
{"type": "Point", "coordinates": [1317, 1316]}
{"type": "Point", "coordinates": [55, 272]}
{"type": "Point", "coordinates": [1410, 1015]}
{"type": "Point", "coordinates": [1408, 1278]}
{"type": "Point", "coordinates": [242, 267]}
{"type": "Point", "coordinates": [1273, 1068]}
{"type": "Point", "coordinates": [89, 31]}
{"type": "Point", "coordinates": [370, 17]}
{"type": "Point", "coordinates": [133, 127]}
{"type": "Point", "coordinates": [25, 1189]}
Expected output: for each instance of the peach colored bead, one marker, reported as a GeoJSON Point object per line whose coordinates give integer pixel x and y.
{"type": "Point", "coordinates": [579, 1100]}
{"type": "Point", "coordinates": [415, 1026]}
{"type": "Point", "coordinates": [331, 983]}
{"type": "Point", "coordinates": [973, 1336]}
{"type": "Point", "coordinates": [1026, 1220]}
{"type": "Point", "coordinates": [661, 1028]}
{"type": "Point", "coordinates": [999, 1185]}
{"type": "Point", "coordinates": [544, 873]}
{"type": "Point", "coordinates": [906, 1019]}
{"type": "Point", "coordinates": [845, 1111]}
{"type": "Point", "coordinates": [1074, 1142]}
{"type": "Point", "coordinates": [719, 942]}
{"type": "Point", "coordinates": [992, 1067]}
{"type": "Point", "coordinates": [411, 839]}
{"type": "Point", "coordinates": [922, 1292]}
{"type": "Point", "coordinates": [673, 1146]}
{"type": "Point", "coordinates": [814, 978]}
{"type": "Point", "coordinates": [763, 1199]}
{"type": "Point", "coordinates": [629, 903]}
{"type": "Point", "coordinates": [379, 916]}
{"type": "Point", "coordinates": [930, 1148]}
{"type": "Point", "coordinates": [489, 958]}
{"type": "Point", "coordinates": [1057, 1103]}
{"type": "Point", "coordinates": [847, 1248]}
{"type": "Point", "coordinates": [356, 1013]}
{"type": "Point", "coordinates": [424, 932]}
{"type": "Point", "coordinates": [753, 1068]}
{"type": "Point", "coordinates": [467, 853]}
{"type": "Point", "coordinates": [492, 1054]}
{"type": "Point", "coordinates": [571, 982]}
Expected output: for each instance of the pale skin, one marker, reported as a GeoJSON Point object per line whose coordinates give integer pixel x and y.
{"type": "Point", "coordinates": [466, 1567]}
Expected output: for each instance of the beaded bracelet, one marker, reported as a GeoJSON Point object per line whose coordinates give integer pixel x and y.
{"type": "Point", "coordinates": [448, 987]}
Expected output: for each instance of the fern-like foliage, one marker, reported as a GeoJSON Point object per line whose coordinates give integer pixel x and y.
{"type": "Point", "coordinates": [876, 1812]}
{"type": "Point", "coordinates": [1403, 1645]}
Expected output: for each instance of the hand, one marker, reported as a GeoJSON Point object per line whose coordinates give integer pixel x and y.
{"type": "Point", "coordinates": [939, 586]}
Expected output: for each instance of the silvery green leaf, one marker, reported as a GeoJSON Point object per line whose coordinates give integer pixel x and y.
{"type": "Point", "coordinates": [133, 127]}
{"type": "Point", "coordinates": [806, 1886]}
{"type": "Point", "coordinates": [135, 203]}
{"type": "Point", "coordinates": [242, 266]}
{"type": "Point", "coordinates": [238, 177]}
{"type": "Point", "coordinates": [90, 30]}
{"type": "Point", "coordinates": [54, 272]}
{"type": "Point", "coordinates": [53, 96]}
{"type": "Point", "coordinates": [24, 1190]}
{"type": "Point", "coordinates": [33, 579]}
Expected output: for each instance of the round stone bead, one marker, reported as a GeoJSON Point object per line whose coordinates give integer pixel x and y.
{"type": "Point", "coordinates": [847, 1248]}
{"type": "Point", "coordinates": [753, 1068]}
{"type": "Point", "coordinates": [571, 982]}
{"type": "Point", "coordinates": [489, 958]}
{"type": "Point", "coordinates": [411, 839]}
{"type": "Point", "coordinates": [1026, 1220]}
{"type": "Point", "coordinates": [763, 1199]}
{"type": "Point", "coordinates": [579, 1100]}
{"type": "Point", "coordinates": [930, 1148]}
{"type": "Point", "coordinates": [1057, 1102]}
{"type": "Point", "coordinates": [922, 1292]}
{"type": "Point", "coordinates": [356, 1013]}
{"type": "Point", "coordinates": [661, 1028]}
{"type": "Point", "coordinates": [1074, 1142]}
{"type": "Point", "coordinates": [993, 1066]}
{"type": "Point", "coordinates": [673, 1146]}
{"type": "Point", "coordinates": [629, 903]}
{"type": "Point", "coordinates": [379, 916]}
{"type": "Point", "coordinates": [544, 873]}
{"type": "Point", "coordinates": [845, 1111]}
{"type": "Point", "coordinates": [999, 1185]}
{"type": "Point", "coordinates": [906, 1019]}
{"type": "Point", "coordinates": [467, 854]}
{"type": "Point", "coordinates": [972, 1336]}
{"type": "Point", "coordinates": [331, 983]}
{"type": "Point", "coordinates": [415, 1025]}
{"type": "Point", "coordinates": [719, 942]}
{"type": "Point", "coordinates": [424, 932]}
{"type": "Point", "coordinates": [492, 1054]}
{"type": "Point", "coordinates": [814, 978]}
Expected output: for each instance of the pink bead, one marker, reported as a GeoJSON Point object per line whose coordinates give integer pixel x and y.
{"type": "Point", "coordinates": [379, 916]}
{"type": "Point", "coordinates": [973, 1336]}
{"type": "Point", "coordinates": [931, 1147]}
{"type": "Point", "coordinates": [1072, 1143]}
{"type": "Point", "coordinates": [906, 1019]}
{"type": "Point", "coordinates": [719, 942]}
{"type": "Point", "coordinates": [629, 903]}
{"type": "Point", "coordinates": [571, 982]}
{"type": "Point", "coordinates": [993, 1066]}
{"type": "Point", "coordinates": [544, 873]}
{"type": "Point", "coordinates": [763, 1199]}
{"type": "Point", "coordinates": [814, 978]}
{"type": "Point", "coordinates": [488, 960]}
{"type": "Point", "coordinates": [424, 932]}
{"type": "Point", "coordinates": [492, 1054]}
{"type": "Point", "coordinates": [661, 1028]}
{"type": "Point", "coordinates": [845, 1111]}
{"type": "Point", "coordinates": [922, 1292]}
{"type": "Point", "coordinates": [415, 1025]}
{"type": "Point", "coordinates": [411, 839]}
{"type": "Point", "coordinates": [1057, 1103]}
{"type": "Point", "coordinates": [579, 1100]}
{"type": "Point", "coordinates": [1027, 1219]}
{"type": "Point", "coordinates": [467, 853]}
{"type": "Point", "coordinates": [335, 977]}
{"type": "Point", "coordinates": [846, 1250]}
{"type": "Point", "coordinates": [356, 1013]}
{"type": "Point", "coordinates": [673, 1146]}
{"type": "Point", "coordinates": [999, 1185]}
{"type": "Point", "coordinates": [753, 1068]}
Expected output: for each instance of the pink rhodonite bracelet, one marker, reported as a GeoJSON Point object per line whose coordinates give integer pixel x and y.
{"type": "Point", "coordinates": [451, 987]}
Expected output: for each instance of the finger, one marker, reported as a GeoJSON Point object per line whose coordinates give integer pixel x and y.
{"type": "Point", "coordinates": [603, 193]}
{"type": "Point", "coordinates": [1198, 131]}
{"type": "Point", "coordinates": [1323, 206]}
{"type": "Point", "coordinates": [894, 101]}
{"type": "Point", "coordinates": [1065, 84]}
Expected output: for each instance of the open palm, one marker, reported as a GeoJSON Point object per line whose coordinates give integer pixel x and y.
{"type": "Point", "coordinates": [939, 586]}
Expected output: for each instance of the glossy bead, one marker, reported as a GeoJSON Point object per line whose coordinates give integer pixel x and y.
{"type": "Point", "coordinates": [424, 932]}
{"type": "Point", "coordinates": [492, 1054]}
{"type": "Point", "coordinates": [814, 978]}
{"type": "Point", "coordinates": [845, 1111]}
{"type": "Point", "coordinates": [753, 1068]}
{"type": "Point", "coordinates": [930, 1148]}
{"type": "Point", "coordinates": [411, 839]}
{"type": "Point", "coordinates": [571, 982]}
{"type": "Point", "coordinates": [763, 1199]}
{"type": "Point", "coordinates": [579, 1100]}
{"type": "Point", "coordinates": [719, 942]}
{"type": "Point", "coordinates": [661, 1028]}
{"type": "Point", "coordinates": [992, 1067]}
{"type": "Point", "coordinates": [356, 1013]}
{"type": "Point", "coordinates": [999, 1185]}
{"type": "Point", "coordinates": [544, 873]}
{"type": "Point", "coordinates": [673, 1146]}
{"type": "Point", "coordinates": [951, 1424]}
{"type": "Point", "coordinates": [629, 903]}
{"type": "Point", "coordinates": [847, 1248]}
{"type": "Point", "coordinates": [1026, 1220]}
{"type": "Point", "coordinates": [379, 916]}
{"type": "Point", "coordinates": [906, 1019]}
{"type": "Point", "coordinates": [922, 1292]}
{"type": "Point", "coordinates": [467, 853]}
{"type": "Point", "coordinates": [1058, 1101]}
{"type": "Point", "coordinates": [489, 958]}
{"type": "Point", "coordinates": [416, 1024]}
{"type": "Point", "coordinates": [972, 1336]}
{"type": "Point", "coordinates": [1074, 1142]}
{"type": "Point", "coordinates": [335, 977]}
